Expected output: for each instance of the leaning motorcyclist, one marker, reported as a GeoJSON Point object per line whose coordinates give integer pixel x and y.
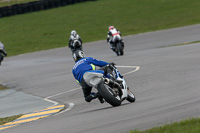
{"type": "Point", "coordinates": [84, 66]}
{"type": "Point", "coordinates": [111, 34]}
{"type": "Point", "coordinates": [2, 52]}
{"type": "Point", "coordinates": [74, 36]}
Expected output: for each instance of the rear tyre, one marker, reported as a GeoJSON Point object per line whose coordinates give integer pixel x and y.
{"type": "Point", "coordinates": [131, 97]}
{"type": "Point", "coordinates": [108, 94]}
{"type": "Point", "coordinates": [120, 48]}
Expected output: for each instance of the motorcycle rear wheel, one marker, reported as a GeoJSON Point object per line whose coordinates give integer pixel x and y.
{"type": "Point", "coordinates": [108, 94]}
{"type": "Point", "coordinates": [120, 49]}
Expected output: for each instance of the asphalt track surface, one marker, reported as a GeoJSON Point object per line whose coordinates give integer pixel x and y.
{"type": "Point", "coordinates": [166, 86]}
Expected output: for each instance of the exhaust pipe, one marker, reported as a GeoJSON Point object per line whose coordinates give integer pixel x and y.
{"type": "Point", "coordinates": [112, 83]}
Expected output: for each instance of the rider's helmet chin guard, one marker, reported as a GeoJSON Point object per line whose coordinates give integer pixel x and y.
{"type": "Point", "coordinates": [77, 55]}
{"type": "Point", "coordinates": [111, 27]}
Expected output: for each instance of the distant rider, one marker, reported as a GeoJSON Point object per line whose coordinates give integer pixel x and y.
{"type": "Point", "coordinates": [74, 36]}
{"type": "Point", "coordinates": [111, 34]}
{"type": "Point", "coordinates": [84, 66]}
{"type": "Point", "coordinates": [2, 52]}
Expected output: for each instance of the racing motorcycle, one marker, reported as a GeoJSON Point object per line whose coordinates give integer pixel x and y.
{"type": "Point", "coordinates": [76, 45]}
{"type": "Point", "coordinates": [114, 90]}
{"type": "Point", "coordinates": [118, 45]}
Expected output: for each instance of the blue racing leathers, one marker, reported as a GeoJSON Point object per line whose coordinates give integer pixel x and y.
{"type": "Point", "coordinates": [85, 64]}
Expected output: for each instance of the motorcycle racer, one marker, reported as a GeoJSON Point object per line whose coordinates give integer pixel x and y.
{"type": "Point", "coordinates": [83, 67]}
{"type": "Point", "coordinates": [112, 33]}
{"type": "Point", "coordinates": [74, 36]}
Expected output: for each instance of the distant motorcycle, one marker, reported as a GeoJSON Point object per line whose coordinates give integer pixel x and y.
{"type": "Point", "coordinates": [76, 45]}
{"type": "Point", "coordinates": [114, 90]}
{"type": "Point", "coordinates": [118, 45]}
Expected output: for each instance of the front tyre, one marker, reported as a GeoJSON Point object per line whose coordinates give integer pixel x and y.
{"type": "Point", "coordinates": [131, 97]}
{"type": "Point", "coordinates": [109, 94]}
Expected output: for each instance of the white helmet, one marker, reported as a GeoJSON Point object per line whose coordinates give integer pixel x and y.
{"type": "Point", "coordinates": [77, 55]}
{"type": "Point", "coordinates": [73, 33]}
{"type": "Point", "coordinates": [1, 45]}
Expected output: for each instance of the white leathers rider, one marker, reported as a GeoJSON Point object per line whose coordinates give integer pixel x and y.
{"type": "Point", "coordinates": [112, 34]}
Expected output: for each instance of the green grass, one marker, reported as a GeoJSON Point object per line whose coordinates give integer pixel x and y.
{"type": "Point", "coordinates": [8, 119]}
{"type": "Point", "coordinates": [2, 87]}
{"type": "Point", "coordinates": [51, 28]}
{"type": "Point", "coordinates": [187, 126]}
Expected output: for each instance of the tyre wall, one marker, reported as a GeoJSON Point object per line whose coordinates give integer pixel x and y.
{"type": "Point", "coordinates": [35, 6]}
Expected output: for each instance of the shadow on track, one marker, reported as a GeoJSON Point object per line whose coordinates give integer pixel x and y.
{"type": "Point", "coordinates": [110, 107]}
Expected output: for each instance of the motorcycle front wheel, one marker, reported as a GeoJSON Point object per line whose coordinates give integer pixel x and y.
{"type": "Point", "coordinates": [109, 94]}
{"type": "Point", "coordinates": [131, 97]}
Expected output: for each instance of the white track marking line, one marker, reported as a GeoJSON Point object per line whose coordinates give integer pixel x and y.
{"type": "Point", "coordinates": [51, 101]}
{"type": "Point", "coordinates": [136, 69]}
{"type": "Point", "coordinates": [62, 93]}
{"type": "Point", "coordinates": [71, 105]}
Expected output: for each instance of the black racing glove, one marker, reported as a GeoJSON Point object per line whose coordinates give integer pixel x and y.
{"type": "Point", "coordinates": [112, 64]}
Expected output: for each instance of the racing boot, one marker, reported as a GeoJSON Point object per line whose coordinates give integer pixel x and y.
{"type": "Point", "coordinates": [94, 96]}
{"type": "Point", "coordinates": [100, 97]}
{"type": "Point", "coordinates": [112, 46]}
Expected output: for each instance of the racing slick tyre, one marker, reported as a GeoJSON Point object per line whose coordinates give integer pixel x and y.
{"type": "Point", "coordinates": [131, 97]}
{"type": "Point", "coordinates": [120, 49]}
{"type": "Point", "coordinates": [109, 94]}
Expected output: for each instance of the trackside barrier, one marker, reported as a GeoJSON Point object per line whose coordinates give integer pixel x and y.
{"type": "Point", "coordinates": [35, 6]}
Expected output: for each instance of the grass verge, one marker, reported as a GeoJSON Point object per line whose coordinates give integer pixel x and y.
{"type": "Point", "coordinates": [51, 28]}
{"type": "Point", "coordinates": [2, 87]}
{"type": "Point", "coordinates": [187, 43]}
{"type": "Point", "coordinates": [8, 119]}
{"type": "Point", "coordinates": [186, 126]}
